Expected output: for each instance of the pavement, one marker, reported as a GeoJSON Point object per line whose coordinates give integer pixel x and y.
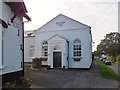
{"type": "Point", "coordinates": [114, 67]}
{"type": "Point", "coordinates": [71, 78]}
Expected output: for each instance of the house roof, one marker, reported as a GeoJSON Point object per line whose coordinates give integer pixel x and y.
{"type": "Point", "coordinates": [19, 8]}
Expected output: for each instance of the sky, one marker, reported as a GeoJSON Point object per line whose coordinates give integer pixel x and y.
{"type": "Point", "coordinates": [101, 15]}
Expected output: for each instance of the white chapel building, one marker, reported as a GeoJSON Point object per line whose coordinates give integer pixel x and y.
{"type": "Point", "coordinates": [63, 42]}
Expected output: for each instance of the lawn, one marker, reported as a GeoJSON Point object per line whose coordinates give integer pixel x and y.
{"type": "Point", "coordinates": [107, 72]}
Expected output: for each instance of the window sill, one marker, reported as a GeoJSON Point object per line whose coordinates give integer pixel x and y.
{"type": "Point", "coordinates": [77, 58]}
{"type": "Point", "coordinates": [43, 58]}
{"type": "Point", "coordinates": [31, 57]}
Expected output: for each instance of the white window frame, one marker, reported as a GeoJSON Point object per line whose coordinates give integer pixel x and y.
{"type": "Point", "coordinates": [31, 51]}
{"type": "Point", "coordinates": [44, 49]}
{"type": "Point", "coordinates": [77, 49]}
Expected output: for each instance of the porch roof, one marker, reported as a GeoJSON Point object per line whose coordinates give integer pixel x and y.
{"type": "Point", "coordinates": [59, 36]}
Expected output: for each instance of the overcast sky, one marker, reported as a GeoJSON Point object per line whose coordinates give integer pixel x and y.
{"type": "Point", "coordinates": [101, 15]}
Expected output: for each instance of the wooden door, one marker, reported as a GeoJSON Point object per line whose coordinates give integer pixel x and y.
{"type": "Point", "coordinates": [56, 59]}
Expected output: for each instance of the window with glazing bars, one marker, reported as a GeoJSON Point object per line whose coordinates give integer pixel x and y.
{"type": "Point", "coordinates": [45, 49]}
{"type": "Point", "coordinates": [77, 48]}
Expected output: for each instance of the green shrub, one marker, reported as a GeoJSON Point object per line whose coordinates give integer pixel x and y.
{"type": "Point", "coordinates": [48, 67]}
{"type": "Point", "coordinates": [112, 59]}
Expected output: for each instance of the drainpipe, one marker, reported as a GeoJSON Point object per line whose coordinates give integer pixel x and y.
{"type": "Point", "coordinates": [68, 54]}
{"type": "Point", "coordinates": [0, 47]}
{"type": "Point", "coordinates": [22, 63]}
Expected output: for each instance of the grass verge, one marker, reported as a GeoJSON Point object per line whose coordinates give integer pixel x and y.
{"type": "Point", "coordinates": [107, 72]}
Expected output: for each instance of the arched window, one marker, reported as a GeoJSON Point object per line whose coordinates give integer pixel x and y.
{"type": "Point", "coordinates": [77, 48]}
{"type": "Point", "coordinates": [45, 49]}
{"type": "Point", "coordinates": [31, 53]}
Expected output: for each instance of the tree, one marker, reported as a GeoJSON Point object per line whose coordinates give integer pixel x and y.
{"type": "Point", "coordinates": [97, 53]}
{"type": "Point", "coordinates": [110, 45]}
{"type": "Point", "coordinates": [118, 58]}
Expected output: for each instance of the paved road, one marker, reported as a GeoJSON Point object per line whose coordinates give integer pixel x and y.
{"type": "Point", "coordinates": [114, 67]}
{"type": "Point", "coordinates": [72, 78]}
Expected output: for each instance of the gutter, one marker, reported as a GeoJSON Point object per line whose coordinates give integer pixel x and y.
{"type": "Point", "coordinates": [23, 48]}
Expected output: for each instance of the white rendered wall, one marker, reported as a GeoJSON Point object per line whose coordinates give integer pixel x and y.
{"type": "Point", "coordinates": [0, 36]}
{"type": "Point", "coordinates": [69, 24]}
{"type": "Point", "coordinates": [12, 55]}
{"type": "Point", "coordinates": [28, 41]}
{"type": "Point", "coordinates": [70, 35]}
{"type": "Point", "coordinates": [6, 13]}
{"type": "Point", "coordinates": [70, 30]}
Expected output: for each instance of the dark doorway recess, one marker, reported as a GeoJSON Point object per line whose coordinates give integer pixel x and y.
{"type": "Point", "coordinates": [56, 59]}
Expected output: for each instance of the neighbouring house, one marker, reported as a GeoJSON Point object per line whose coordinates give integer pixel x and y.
{"type": "Point", "coordinates": [63, 43]}
{"type": "Point", "coordinates": [12, 39]}
{"type": "Point", "coordinates": [29, 46]}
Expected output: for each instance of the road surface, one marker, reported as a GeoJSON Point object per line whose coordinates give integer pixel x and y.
{"type": "Point", "coordinates": [71, 78]}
